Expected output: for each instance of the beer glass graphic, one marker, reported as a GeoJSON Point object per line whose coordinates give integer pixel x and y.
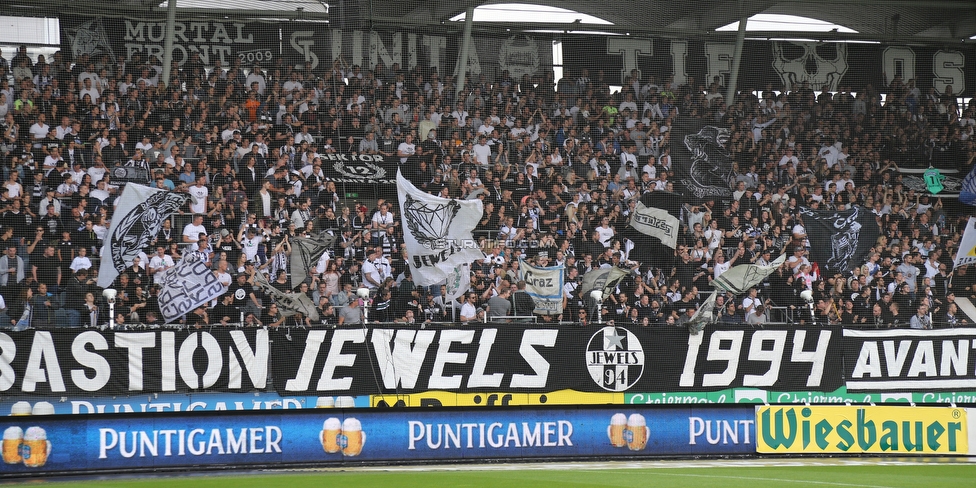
{"type": "Point", "coordinates": [13, 437]}
{"type": "Point", "coordinates": [36, 448]}
{"type": "Point", "coordinates": [331, 430]}
{"type": "Point", "coordinates": [637, 433]}
{"type": "Point", "coordinates": [20, 409]}
{"type": "Point", "coordinates": [618, 423]}
{"type": "Point", "coordinates": [43, 408]}
{"type": "Point", "coordinates": [345, 402]}
{"type": "Point", "coordinates": [352, 438]}
{"type": "Point", "coordinates": [325, 402]}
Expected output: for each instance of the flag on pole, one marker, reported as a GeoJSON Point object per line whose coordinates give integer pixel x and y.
{"type": "Point", "coordinates": [545, 286]}
{"type": "Point", "coordinates": [967, 194]}
{"type": "Point", "coordinates": [137, 219]}
{"type": "Point", "coordinates": [288, 303]}
{"type": "Point", "coordinates": [740, 278]}
{"type": "Point", "coordinates": [604, 279]}
{"type": "Point", "coordinates": [656, 215]}
{"type": "Point", "coordinates": [458, 281]}
{"type": "Point", "coordinates": [437, 232]}
{"type": "Point", "coordinates": [186, 286]}
{"type": "Point", "coordinates": [305, 253]}
{"type": "Point", "coordinates": [967, 246]}
{"type": "Point", "coordinates": [704, 316]}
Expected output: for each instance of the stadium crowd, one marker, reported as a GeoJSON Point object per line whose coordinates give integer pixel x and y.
{"type": "Point", "coordinates": [559, 166]}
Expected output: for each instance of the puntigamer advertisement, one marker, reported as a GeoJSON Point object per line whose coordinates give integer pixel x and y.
{"type": "Point", "coordinates": [334, 436]}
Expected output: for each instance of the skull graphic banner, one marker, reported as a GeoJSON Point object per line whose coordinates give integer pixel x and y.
{"type": "Point", "coordinates": [840, 240]}
{"type": "Point", "coordinates": [701, 159]}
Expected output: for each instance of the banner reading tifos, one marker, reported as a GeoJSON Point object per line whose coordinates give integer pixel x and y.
{"type": "Point", "coordinates": [867, 429]}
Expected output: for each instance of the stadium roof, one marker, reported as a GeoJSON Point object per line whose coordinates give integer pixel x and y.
{"type": "Point", "coordinates": [901, 21]}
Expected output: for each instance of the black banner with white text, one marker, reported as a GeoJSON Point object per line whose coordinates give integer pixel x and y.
{"type": "Point", "coordinates": [515, 358]}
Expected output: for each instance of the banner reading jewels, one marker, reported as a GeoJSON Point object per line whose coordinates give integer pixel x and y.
{"type": "Point", "coordinates": [338, 436]}
{"type": "Point", "coordinates": [514, 364]}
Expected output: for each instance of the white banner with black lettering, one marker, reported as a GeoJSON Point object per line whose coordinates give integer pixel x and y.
{"type": "Point", "coordinates": [545, 286]}
{"type": "Point", "coordinates": [437, 232]}
{"type": "Point", "coordinates": [136, 221]}
{"type": "Point", "coordinates": [186, 286]}
{"type": "Point", "coordinates": [967, 247]}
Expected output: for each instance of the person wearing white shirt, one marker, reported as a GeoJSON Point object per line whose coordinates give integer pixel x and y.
{"type": "Point", "coordinates": [192, 231]}
{"type": "Point", "coordinates": [482, 151]}
{"type": "Point", "coordinates": [199, 192]}
{"type": "Point", "coordinates": [406, 149]}
{"type": "Point", "coordinates": [371, 274]}
{"type": "Point", "coordinates": [39, 129]}
{"type": "Point", "coordinates": [160, 262]}
{"type": "Point", "coordinates": [382, 219]}
{"type": "Point", "coordinates": [605, 231]}
{"type": "Point", "coordinates": [81, 261]}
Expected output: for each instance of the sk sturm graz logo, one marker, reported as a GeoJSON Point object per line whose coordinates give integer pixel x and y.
{"type": "Point", "coordinates": [429, 225]}
{"type": "Point", "coordinates": [615, 358]}
{"type": "Point", "coordinates": [711, 163]}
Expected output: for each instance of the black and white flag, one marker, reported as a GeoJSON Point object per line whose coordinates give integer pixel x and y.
{"type": "Point", "coordinates": [840, 241]}
{"type": "Point", "coordinates": [701, 159]}
{"type": "Point", "coordinates": [305, 253]}
{"type": "Point", "coordinates": [740, 278]}
{"type": "Point", "coordinates": [186, 286]}
{"type": "Point", "coordinates": [437, 232]}
{"type": "Point", "coordinates": [603, 279]}
{"type": "Point", "coordinates": [656, 215]}
{"type": "Point", "coordinates": [136, 221]}
{"type": "Point", "coordinates": [288, 303]}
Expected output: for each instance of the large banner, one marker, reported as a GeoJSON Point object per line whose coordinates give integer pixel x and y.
{"type": "Point", "coordinates": [824, 65]}
{"type": "Point", "coordinates": [702, 161]}
{"type": "Point", "coordinates": [840, 240]}
{"type": "Point", "coordinates": [69, 362]}
{"type": "Point", "coordinates": [533, 360]}
{"type": "Point", "coordinates": [314, 44]}
{"type": "Point", "coordinates": [907, 360]}
{"type": "Point", "coordinates": [519, 364]}
{"type": "Point", "coordinates": [333, 437]}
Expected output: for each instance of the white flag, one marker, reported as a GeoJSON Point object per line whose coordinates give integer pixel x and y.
{"type": "Point", "coordinates": [704, 316]}
{"type": "Point", "coordinates": [458, 281]}
{"type": "Point", "coordinates": [656, 222]}
{"type": "Point", "coordinates": [136, 221]}
{"type": "Point", "coordinates": [740, 278]}
{"type": "Point", "coordinates": [967, 247]}
{"type": "Point", "coordinates": [437, 232]}
{"type": "Point", "coordinates": [186, 286]}
{"type": "Point", "coordinates": [545, 286]}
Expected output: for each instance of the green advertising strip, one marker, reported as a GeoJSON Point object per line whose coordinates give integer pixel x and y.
{"type": "Point", "coordinates": [838, 396]}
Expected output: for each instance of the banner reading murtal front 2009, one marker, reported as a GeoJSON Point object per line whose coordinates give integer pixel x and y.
{"type": "Point", "coordinates": [866, 429]}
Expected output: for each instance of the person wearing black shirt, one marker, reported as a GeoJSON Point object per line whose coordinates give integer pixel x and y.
{"type": "Point", "coordinates": [523, 305]}
{"type": "Point", "coordinates": [225, 312]}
